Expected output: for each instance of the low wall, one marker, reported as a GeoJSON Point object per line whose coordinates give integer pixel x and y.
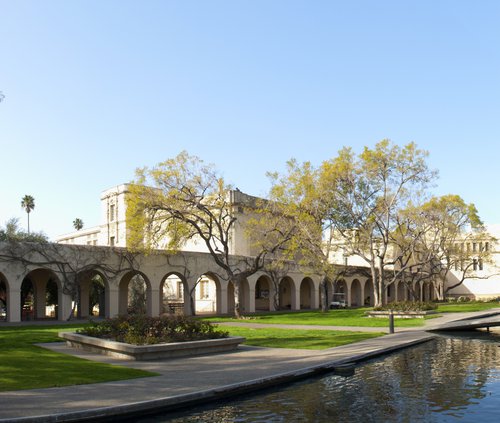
{"type": "Point", "coordinates": [150, 352]}
{"type": "Point", "coordinates": [401, 314]}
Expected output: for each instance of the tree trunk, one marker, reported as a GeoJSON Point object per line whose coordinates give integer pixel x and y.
{"type": "Point", "coordinates": [76, 303]}
{"type": "Point", "coordinates": [324, 294]}
{"type": "Point", "coordinates": [237, 307]}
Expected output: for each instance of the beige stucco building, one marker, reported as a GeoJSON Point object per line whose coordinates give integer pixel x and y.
{"type": "Point", "coordinates": [188, 281]}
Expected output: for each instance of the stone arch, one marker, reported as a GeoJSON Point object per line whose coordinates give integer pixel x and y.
{"type": "Point", "coordinates": [134, 294]}
{"type": "Point", "coordinates": [306, 293]}
{"type": "Point", "coordinates": [321, 295]}
{"type": "Point", "coordinates": [356, 294]}
{"type": "Point", "coordinates": [417, 291]}
{"type": "Point", "coordinates": [41, 295]}
{"type": "Point", "coordinates": [339, 297]}
{"type": "Point", "coordinates": [286, 293]}
{"type": "Point", "coordinates": [401, 291]}
{"type": "Point", "coordinates": [207, 294]}
{"type": "Point", "coordinates": [427, 292]}
{"type": "Point", "coordinates": [263, 294]}
{"type": "Point", "coordinates": [390, 293]}
{"type": "Point", "coordinates": [94, 294]}
{"type": "Point", "coordinates": [172, 293]}
{"type": "Point", "coordinates": [369, 298]}
{"type": "Point", "coordinates": [4, 289]}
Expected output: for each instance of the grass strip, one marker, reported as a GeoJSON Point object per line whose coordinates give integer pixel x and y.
{"type": "Point", "coordinates": [299, 339]}
{"type": "Point", "coordinates": [27, 366]}
{"type": "Point", "coordinates": [343, 317]}
{"type": "Point", "coordinates": [467, 306]}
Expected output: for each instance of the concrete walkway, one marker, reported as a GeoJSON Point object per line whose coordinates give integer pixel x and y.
{"type": "Point", "coordinates": [191, 380]}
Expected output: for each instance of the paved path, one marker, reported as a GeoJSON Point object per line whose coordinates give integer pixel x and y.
{"type": "Point", "coordinates": [193, 379]}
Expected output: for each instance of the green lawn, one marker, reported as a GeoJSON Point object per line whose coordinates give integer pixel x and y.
{"type": "Point", "coordinates": [300, 339]}
{"type": "Point", "coordinates": [343, 317]}
{"type": "Point", "coordinates": [467, 307]}
{"type": "Point", "coordinates": [26, 366]}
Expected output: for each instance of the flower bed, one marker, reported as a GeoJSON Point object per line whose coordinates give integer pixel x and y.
{"type": "Point", "coordinates": [150, 352]}
{"type": "Point", "coordinates": [138, 337]}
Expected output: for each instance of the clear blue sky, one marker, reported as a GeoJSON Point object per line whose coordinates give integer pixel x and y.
{"type": "Point", "coordinates": [94, 89]}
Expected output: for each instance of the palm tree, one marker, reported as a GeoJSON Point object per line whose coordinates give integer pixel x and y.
{"type": "Point", "coordinates": [78, 223]}
{"type": "Point", "coordinates": [28, 204]}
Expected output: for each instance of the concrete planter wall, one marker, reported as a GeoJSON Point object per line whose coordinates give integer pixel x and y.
{"type": "Point", "coordinates": [401, 314]}
{"type": "Point", "coordinates": [150, 352]}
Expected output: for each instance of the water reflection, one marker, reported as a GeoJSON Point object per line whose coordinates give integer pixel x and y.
{"type": "Point", "coordinates": [449, 379]}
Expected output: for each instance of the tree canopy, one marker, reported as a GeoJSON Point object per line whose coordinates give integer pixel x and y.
{"type": "Point", "coordinates": [183, 200]}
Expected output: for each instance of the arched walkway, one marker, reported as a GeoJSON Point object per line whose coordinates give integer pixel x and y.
{"type": "Point", "coordinates": [390, 293]}
{"type": "Point", "coordinates": [369, 299]}
{"type": "Point", "coordinates": [172, 294]}
{"type": "Point", "coordinates": [286, 293]}
{"type": "Point", "coordinates": [417, 292]}
{"type": "Point", "coordinates": [263, 294]}
{"type": "Point", "coordinates": [3, 297]}
{"type": "Point", "coordinates": [428, 292]}
{"type": "Point", "coordinates": [306, 293]}
{"type": "Point", "coordinates": [205, 298]}
{"type": "Point", "coordinates": [134, 294]}
{"type": "Point", "coordinates": [402, 291]}
{"type": "Point", "coordinates": [339, 298]}
{"type": "Point", "coordinates": [41, 294]}
{"type": "Point", "coordinates": [325, 293]}
{"type": "Point", "coordinates": [356, 294]}
{"type": "Point", "coordinates": [94, 291]}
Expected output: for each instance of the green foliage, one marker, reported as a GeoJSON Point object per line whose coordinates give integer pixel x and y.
{"type": "Point", "coordinates": [12, 232]}
{"type": "Point", "coordinates": [78, 223]}
{"type": "Point", "coordinates": [137, 296]}
{"type": "Point", "coordinates": [26, 366]}
{"type": "Point", "coordinates": [143, 330]}
{"type": "Point", "coordinates": [408, 306]}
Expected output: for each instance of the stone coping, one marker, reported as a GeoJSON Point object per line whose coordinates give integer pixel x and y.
{"type": "Point", "coordinates": [125, 351]}
{"type": "Point", "coordinates": [401, 314]}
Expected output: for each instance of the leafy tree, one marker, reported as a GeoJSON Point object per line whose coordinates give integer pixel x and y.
{"type": "Point", "coordinates": [451, 239]}
{"type": "Point", "coordinates": [28, 204]}
{"type": "Point", "coordinates": [297, 199]}
{"type": "Point", "coordinates": [78, 224]}
{"type": "Point", "coordinates": [183, 199]}
{"type": "Point", "coordinates": [350, 206]}
{"type": "Point", "coordinates": [12, 232]}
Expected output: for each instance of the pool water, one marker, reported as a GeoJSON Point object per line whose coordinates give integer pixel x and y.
{"type": "Point", "coordinates": [454, 378]}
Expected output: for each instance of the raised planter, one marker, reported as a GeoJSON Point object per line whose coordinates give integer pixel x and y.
{"type": "Point", "coordinates": [150, 352]}
{"type": "Point", "coordinates": [401, 314]}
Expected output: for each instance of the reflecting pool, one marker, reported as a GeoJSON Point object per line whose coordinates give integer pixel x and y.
{"type": "Point", "coordinates": [450, 379]}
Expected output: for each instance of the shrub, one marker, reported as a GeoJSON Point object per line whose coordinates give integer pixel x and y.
{"type": "Point", "coordinates": [408, 306]}
{"type": "Point", "coordinates": [143, 330]}
{"type": "Point", "coordinates": [463, 299]}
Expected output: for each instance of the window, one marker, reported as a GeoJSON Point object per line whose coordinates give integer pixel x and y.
{"type": "Point", "coordinates": [486, 246]}
{"type": "Point", "coordinates": [474, 264]}
{"type": "Point", "coordinates": [480, 264]}
{"type": "Point", "coordinates": [474, 247]}
{"type": "Point", "coordinates": [111, 212]}
{"type": "Point", "coordinates": [112, 241]}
